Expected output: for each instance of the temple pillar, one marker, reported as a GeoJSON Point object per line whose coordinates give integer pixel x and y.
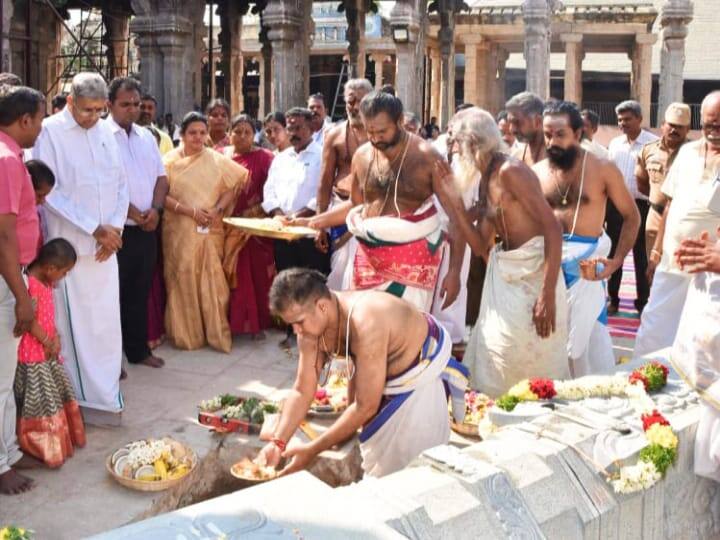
{"type": "Point", "coordinates": [435, 83]}
{"type": "Point", "coordinates": [355, 15]}
{"type": "Point", "coordinates": [378, 60]}
{"type": "Point", "coordinates": [285, 20]}
{"type": "Point", "coordinates": [232, 64]}
{"type": "Point", "coordinates": [641, 74]}
{"type": "Point", "coordinates": [574, 55]}
{"type": "Point", "coordinates": [446, 38]}
{"type": "Point", "coordinates": [265, 70]}
{"type": "Point", "coordinates": [470, 89]}
{"type": "Point", "coordinates": [117, 28]}
{"type": "Point", "coordinates": [8, 8]}
{"type": "Point", "coordinates": [536, 16]}
{"type": "Point", "coordinates": [168, 36]}
{"type": "Point", "coordinates": [674, 20]}
{"type": "Point", "coordinates": [408, 20]}
{"type": "Point", "coordinates": [502, 58]}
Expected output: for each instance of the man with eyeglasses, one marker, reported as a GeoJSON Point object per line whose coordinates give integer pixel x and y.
{"type": "Point", "coordinates": [88, 206]}
{"type": "Point", "coordinates": [692, 187]}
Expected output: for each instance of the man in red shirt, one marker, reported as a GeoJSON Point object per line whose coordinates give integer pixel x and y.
{"type": "Point", "coordinates": [22, 110]}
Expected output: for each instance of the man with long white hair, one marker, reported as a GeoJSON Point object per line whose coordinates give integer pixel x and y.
{"type": "Point", "coordinates": [522, 327]}
{"type": "Point", "coordinates": [88, 207]}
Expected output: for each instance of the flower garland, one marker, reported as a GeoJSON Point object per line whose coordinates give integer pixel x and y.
{"type": "Point", "coordinates": [661, 450]}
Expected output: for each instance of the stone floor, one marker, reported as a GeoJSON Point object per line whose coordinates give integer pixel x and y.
{"type": "Point", "coordinates": [80, 499]}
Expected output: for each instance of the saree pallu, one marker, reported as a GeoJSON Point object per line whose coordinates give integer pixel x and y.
{"type": "Point", "coordinates": [399, 255]}
{"type": "Point", "coordinates": [197, 291]}
{"type": "Point", "coordinates": [49, 423]}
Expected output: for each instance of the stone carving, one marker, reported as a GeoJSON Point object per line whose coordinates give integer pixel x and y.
{"type": "Point", "coordinates": [674, 20]}
{"type": "Point", "coordinates": [512, 513]}
{"type": "Point", "coordinates": [536, 15]}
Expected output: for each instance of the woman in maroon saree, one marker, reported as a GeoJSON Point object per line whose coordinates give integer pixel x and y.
{"type": "Point", "coordinates": [249, 262]}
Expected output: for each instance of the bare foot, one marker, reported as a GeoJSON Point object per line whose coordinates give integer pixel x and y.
{"type": "Point", "coordinates": [14, 483]}
{"type": "Point", "coordinates": [259, 336]}
{"type": "Point", "coordinates": [123, 374]}
{"type": "Point", "coordinates": [27, 462]}
{"type": "Point", "coordinates": [153, 361]}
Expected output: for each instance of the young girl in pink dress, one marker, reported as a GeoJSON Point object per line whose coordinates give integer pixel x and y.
{"type": "Point", "coordinates": [49, 420]}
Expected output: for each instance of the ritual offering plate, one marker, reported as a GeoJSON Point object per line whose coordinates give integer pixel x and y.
{"type": "Point", "coordinates": [270, 228]}
{"type": "Point", "coordinates": [331, 400]}
{"type": "Point", "coordinates": [226, 413]}
{"type": "Point", "coordinates": [250, 471]}
{"type": "Point", "coordinates": [151, 464]}
{"type": "Point", "coordinates": [476, 405]}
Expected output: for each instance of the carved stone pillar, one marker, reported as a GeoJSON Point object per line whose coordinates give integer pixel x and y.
{"type": "Point", "coordinates": [674, 20]}
{"type": "Point", "coordinates": [446, 38]}
{"type": "Point", "coordinates": [378, 60]}
{"type": "Point", "coordinates": [168, 35]}
{"type": "Point", "coordinates": [8, 8]}
{"type": "Point", "coordinates": [117, 27]}
{"type": "Point", "coordinates": [435, 83]}
{"type": "Point", "coordinates": [536, 15]}
{"type": "Point", "coordinates": [232, 64]}
{"type": "Point", "coordinates": [265, 70]}
{"type": "Point", "coordinates": [574, 55]}
{"type": "Point", "coordinates": [411, 16]}
{"type": "Point", "coordinates": [285, 21]}
{"type": "Point", "coordinates": [355, 15]}
{"type": "Point", "coordinates": [502, 58]}
{"type": "Point", "coordinates": [470, 89]}
{"type": "Point", "coordinates": [641, 74]}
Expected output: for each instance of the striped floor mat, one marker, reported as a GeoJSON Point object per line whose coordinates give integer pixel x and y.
{"type": "Point", "coordinates": [626, 322]}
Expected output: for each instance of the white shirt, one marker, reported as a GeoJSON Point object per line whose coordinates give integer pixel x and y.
{"type": "Point", "coordinates": [293, 180]}
{"type": "Point", "coordinates": [624, 153]}
{"type": "Point", "coordinates": [595, 148]}
{"type": "Point", "coordinates": [690, 192]}
{"type": "Point", "coordinates": [319, 135]}
{"type": "Point", "coordinates": [141, 161]}
{"type": "Point", "coordinates": [90, 183]}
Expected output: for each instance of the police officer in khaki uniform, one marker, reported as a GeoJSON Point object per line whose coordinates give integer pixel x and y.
{"type": "Point", "coordinates": [653, 163]}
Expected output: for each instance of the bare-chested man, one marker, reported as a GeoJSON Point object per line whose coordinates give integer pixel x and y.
{"type": "Point", "coordinates": [521, 331]}
{"type": "Point", "coordinates": [577, 184]}
{"type": "Point", "coordinates": [391, 211]}
{"type": "Point", "coordinates": [339, 147]}
{"type": "Point", "coordinates": [398, 358]}
{"type": "Point", "coordinates": [525, 116]}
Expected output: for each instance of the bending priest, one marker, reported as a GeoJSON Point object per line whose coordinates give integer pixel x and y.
{"type": "Point", "coordinates": [696, 352]}
{"type": "Point", "coordinates": [398, 361]}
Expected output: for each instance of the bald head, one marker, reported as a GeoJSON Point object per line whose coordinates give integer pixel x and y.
{"type": "Point", "coordinates": [712, 100]}
{"type": "Point", "coordinates": [710, 118]}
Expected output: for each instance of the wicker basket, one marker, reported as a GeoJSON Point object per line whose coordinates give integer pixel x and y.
{"type": "Point", "coordinates": [159, 485]}
{"type": "Point", "coordinates": [466, 430]}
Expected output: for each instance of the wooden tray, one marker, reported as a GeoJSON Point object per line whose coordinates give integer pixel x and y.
{"type": "Point", "coordinates": [159, 485]}
{"type": "Point", "coordinates": [259, 227]}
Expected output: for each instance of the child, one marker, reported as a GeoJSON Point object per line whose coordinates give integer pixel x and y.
{"type": "Point", "coordinates": [49, 420]}
{"type": "Point", "coordinates": [43, 179]}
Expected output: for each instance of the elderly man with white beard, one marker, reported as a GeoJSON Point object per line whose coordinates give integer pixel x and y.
{"type": "Point", "coordinates": [522, 327]}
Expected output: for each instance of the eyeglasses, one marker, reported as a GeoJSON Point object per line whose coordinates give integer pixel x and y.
{"type": "Point", "coordinates": [90, 111]}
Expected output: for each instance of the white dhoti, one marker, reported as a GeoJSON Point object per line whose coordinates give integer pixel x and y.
{"type": "Point", "coordinates": [504, 346]}
{"type": "Point", "coordinates": [342, 254]}
{"type": "Point", "coordinates": [695, 356]}
{"type": "Point", "coordinates": [453, 316]}
{"type": "Point", "coordinates": [87, 305]}
{"type": "Point", "coordinates": [589, 344]}
{"type": "Point", "coordinates": [661, 316]}
{"type": "Point", "coordinates": [399, 255]}
{"type": "Point", "coordinates": [414, 414]}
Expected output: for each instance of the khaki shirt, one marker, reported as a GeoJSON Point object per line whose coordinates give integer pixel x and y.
{"type": "Point", "coordinates": [653, 163]}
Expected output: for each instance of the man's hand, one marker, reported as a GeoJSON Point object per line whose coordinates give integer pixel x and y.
{"type": "Point", "coordinates": [24, 316]}
{"type": "Point", "coordinates": [588, 268]}
{"type": "Point", "coordinates": [108, 237]}
{"type": "Point", "coordinates": [544, 314]}
{"type": "Point", "coordinates": [699, 254]}
{"type": "Point", "coordinates": [300, 456]}
{"type": "Point", "coordinates": [269, 455]}
{"type": "Point", "coordinates": [103, 254]}
{"type": "Point", "coordinates": [322, 241]}
{"type": "Point", "coordinates": [653, 262]}
{"type": "Point", "coordinates": [450, 288]}
{"type": "Point", "coordinates": [152, 220]}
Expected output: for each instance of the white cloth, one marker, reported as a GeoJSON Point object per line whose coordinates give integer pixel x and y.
{"type": "Point", "coordinates": [90, 182]}
{"type": "Point", "coordinates": [9, 449]}
{"type": "Point", "coordinates": [689, 214]}
{"type": "Point", "coordinates": [595, 148]}
{"type": "Point", "coordinates": [293, 180]}
{"type": "Point", "coordinates": [87, 305]}
{"type": "Point", "coordinates": [589, 343]}
{"type": "Point", "coordinates": [625, 153]}
{"type": "Point", "coordinates": [661, 316]}
{"type": "Point", "coordinates": [696, 357]}
{"type": "Point", "coordinates": [341, 265]}
{"type": "Point", "coordinates": [141, 161]}
{"type": "Point", "coordinates": [420, 422]}
{"type": "Point", "coordinates": [504, 347]}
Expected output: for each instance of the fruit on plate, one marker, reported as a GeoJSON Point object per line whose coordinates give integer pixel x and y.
{"type": "Point", "coordinates": [250, 470]}
{"type": "Point", "coordinates": [152, 460]}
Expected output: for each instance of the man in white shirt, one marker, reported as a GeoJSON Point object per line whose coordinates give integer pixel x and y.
{"type": "Point", "coordinates": [591, 121]}
{"type": "Point", "coordinates": [291, 191]}
{"type": "Point", "coordinates": [147, 187]}
{"type": "Point", "coordinates": [88, 207]}
{"type": "Point", "coordinates": [624, 150]}
{"type": "Point", "coordinates": [320, 121]}
{"type": "Point", "coordinates": [693, 188]}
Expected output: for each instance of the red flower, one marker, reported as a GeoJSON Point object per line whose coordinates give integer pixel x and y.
{"type": "Point", "coordinates": [543, 388]}
{"type": "Point", "coordinates": [636, 376]}
{"type": "Point", "coordinates": [653, 418]}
